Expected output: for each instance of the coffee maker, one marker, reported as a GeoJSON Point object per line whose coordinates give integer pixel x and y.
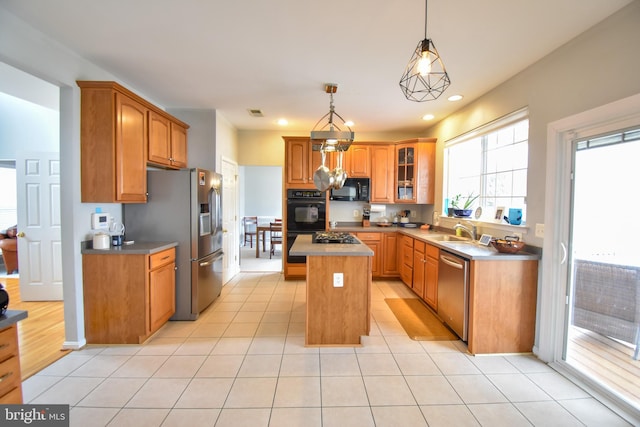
{"type": "Point", "coordinates": [366, 214]}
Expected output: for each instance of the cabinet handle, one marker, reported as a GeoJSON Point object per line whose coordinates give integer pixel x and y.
{"type": "Point", "coordinates": [4, 345]}
{"type": "Point", "coordinates": [165, 257]}
{"type": "Point", "coordinates": [5, 376]}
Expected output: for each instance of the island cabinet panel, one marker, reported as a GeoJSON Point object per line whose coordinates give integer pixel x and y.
{"type": "Point", "coordinates": [337, 315]}
{"type": "Point", "coordinates": [502, 306]}
{"type": "Point", "coordinates": [10, 375]}
{"type": "Point", "coordinates": [127, 297]}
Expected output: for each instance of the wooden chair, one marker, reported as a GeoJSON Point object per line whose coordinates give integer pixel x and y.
{"type": "Point", "coordinates": [249, 224]}
{"type": "Point", "coordinates": [275, 234]}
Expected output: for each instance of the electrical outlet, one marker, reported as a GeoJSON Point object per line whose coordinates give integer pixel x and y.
{"type": "Point", "coordinates": [540, 230]}
{"type": "Point", "coordinates": [338, 280]}
{"type": "Point", "coordinates": [413, 214]}
{"type": "Point", "coordinates": [356, 213]}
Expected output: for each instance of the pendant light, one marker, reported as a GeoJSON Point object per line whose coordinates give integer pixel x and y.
{"type": "Point", "coordinates": [425, 77]}
{"type": "Point", "coordinates": [328, 135]}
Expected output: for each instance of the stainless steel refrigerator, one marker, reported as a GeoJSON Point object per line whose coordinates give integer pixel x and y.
{"type": "Point", "coordinates": [184, 206]}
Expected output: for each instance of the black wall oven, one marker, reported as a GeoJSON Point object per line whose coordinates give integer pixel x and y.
{"type": "Point", "coordinates": [306, 214]}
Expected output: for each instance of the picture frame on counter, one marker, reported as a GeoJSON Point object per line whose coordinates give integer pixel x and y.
{"type": "Point", "coordinates": [499, 213]}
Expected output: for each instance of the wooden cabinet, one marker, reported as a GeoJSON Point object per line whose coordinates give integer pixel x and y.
{"type": "Point", "coordinates": [301, 161]}
{"type": "Point", "coordinates": [415, 171]}
{"type": "Point", "coordinates": [502, 306]}
{"type": "Point", "coordinates": [127, 297]}
{"type": "Point", "coordinates": [390, 255]}
{"type": "Point", "coordinates": [162, 288]}
{"type": "Point", "coordinates": [382, 164]}
{"type": "Point", "coordinates": [430, 294]}
{"type": "Point", "coordinates": [10, 375]}
{"type": "Point", "coordinates": [419, 267]}
{"type": "Point", "coordinates": [405, 259]}
{"type": "Point", "coordinates": [356, 161]}
{"type": "Point", "coordinates": [167, 142]}
{"type": "Point", "coordinates": [115, 130]}
{"type": "Point", "coordinates": [374, 241]}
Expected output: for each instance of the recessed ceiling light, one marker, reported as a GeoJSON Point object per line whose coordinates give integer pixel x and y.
{"type": "Point", "coordinates": [348, 123]}
{"type": "Point", "coordinates": [455, 98]}
{"type": "Point", "coordinates": [428, 117]}
{"type": "Point", "coordinates": [283, 122]}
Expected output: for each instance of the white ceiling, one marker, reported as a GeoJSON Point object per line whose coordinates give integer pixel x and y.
{"type": "Point", "coordinates": [276, 55]}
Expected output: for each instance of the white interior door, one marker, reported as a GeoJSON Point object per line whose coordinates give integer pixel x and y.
{"type": "Point", "coordinates": [230, 243]}
{"type": "Point", "coordinates": [39, 245]}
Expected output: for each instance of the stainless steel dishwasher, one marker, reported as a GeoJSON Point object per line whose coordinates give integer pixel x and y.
{"type": "Point", "coordinates": [453, 292]}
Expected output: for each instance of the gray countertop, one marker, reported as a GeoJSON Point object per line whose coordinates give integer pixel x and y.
{"type": "Point", "coordinates": [468, 250]}
{"type": "Point", "coordinates": [137, 248]}
{"type": "Point", "coordinates": [304, 246]}
{"type": "Point", "coordinates": [12, 316]}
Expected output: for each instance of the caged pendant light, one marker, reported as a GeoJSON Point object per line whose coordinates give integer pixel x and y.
{"type": "Point", "coordinates": [425, 77]}
{"type": "Point", "coordinates": [328, 135]}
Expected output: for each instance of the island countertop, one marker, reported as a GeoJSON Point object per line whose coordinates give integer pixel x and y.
{"type": "Point", "coordinates": [303, 246]}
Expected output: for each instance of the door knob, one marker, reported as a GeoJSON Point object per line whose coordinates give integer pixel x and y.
{"type": "Point", "coordinates": [20, 234]}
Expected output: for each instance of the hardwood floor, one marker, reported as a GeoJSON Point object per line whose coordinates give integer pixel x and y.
{"type": "Point", "coordinates": [606, 360]}
{"type": "Point", "coordinates": [41, 334]}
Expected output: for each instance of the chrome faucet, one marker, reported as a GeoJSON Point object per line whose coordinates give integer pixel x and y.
{"type": "Point", "coordinates": [471, 230]}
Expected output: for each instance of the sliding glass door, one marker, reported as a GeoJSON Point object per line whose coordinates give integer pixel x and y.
{"type": "Point", "coordinates": [603, 316]}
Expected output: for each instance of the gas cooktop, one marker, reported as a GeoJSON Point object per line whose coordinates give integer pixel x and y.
{"type": "Point", "coordinates": [333, 237]}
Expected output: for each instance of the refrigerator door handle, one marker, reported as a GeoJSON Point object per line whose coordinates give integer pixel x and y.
{"type": "Point", "coordinates": [206, 263]}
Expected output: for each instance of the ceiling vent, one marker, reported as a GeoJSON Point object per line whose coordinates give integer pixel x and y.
{"type": "Point", "coordinates": [254, 112]}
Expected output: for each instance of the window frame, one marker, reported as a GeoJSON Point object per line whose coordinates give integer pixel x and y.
{"type": "Point", "coordinates": [481, 135]}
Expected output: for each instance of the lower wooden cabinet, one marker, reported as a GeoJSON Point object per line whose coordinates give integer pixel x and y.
{"type": "Point", "coordinates": [10, 375]}
{"type": "Point", "coordinates": [390, 259]}
{"type": "Point", "coordinates": [374, 241]}
{"type": "Point", "coordinates": [127, 297]}
{"type": "Point", "coordinates": [405, 259]}
{"type": "Point", "coordinates": [430, 294]}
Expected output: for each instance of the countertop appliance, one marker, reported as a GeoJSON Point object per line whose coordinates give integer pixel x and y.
{"type": "Point", "coordinates": [353, 190]}
{"type": "Point", "coordinates": [453, 292]}
{"type": "Point", "coordinates": [306, 214]}
{"type": "Point", "coordinates": [184, 206]}
{"type": "Point", "coordinates": [333, 237]}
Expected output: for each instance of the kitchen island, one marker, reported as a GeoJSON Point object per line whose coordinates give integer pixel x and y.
{"type": "Point", "coordinates": [338, 291]}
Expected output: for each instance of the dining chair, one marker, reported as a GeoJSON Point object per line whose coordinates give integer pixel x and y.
{"type": "Point", "coordinates": [249, 224]}
{"type": "Point", "coordinates": [275, 233]}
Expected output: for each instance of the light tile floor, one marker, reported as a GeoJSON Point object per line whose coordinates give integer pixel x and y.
{"type": "Point", "coordinates": [243, 363]}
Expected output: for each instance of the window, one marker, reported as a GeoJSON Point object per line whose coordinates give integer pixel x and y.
{"type": "Point", "coordinates": [491, 162]}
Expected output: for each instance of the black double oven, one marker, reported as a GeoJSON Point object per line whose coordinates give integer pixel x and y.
{"type": "Point", "coordinates": [306, 214]}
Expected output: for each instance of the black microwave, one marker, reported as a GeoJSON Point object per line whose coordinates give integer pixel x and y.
{"type": "Point", "coordinates": [354, 189]}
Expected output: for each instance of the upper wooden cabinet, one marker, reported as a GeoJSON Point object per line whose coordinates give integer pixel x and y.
{"type": "Point", "coordinates": [167, 142]}
{"type": "Point", "coordinates": [415, 171]}
{"type": "Point", "coordinates": [301, 161]}
{"type": "Point", "coordinates": [117, 130]}
{"type": "Point", "coordinates": [382, 184]}
{"type": "Point", "coordinates": [357, 161]}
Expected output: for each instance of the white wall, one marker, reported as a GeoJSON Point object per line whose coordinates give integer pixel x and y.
{"type": "Point", "coordinates": [261, 187]}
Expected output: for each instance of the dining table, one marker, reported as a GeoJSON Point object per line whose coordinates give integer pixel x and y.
{"type": "Point", "coordinates": [261, 233]}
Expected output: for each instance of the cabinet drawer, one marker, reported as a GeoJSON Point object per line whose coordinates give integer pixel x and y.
{"type": "Point", "coordinates": [162, 258]}
{"type": "Point", "coordinates": [9, 375]}
{"type": "Point", "coordinates": [419, 246]}
{"type": "Point", "coordinates": [8, 343]}
{"type": "Point", "coordinates": [369, 236]}
{"type": "Point", "coordinates": [13, 397]}
{"type": "Point", "coordinates": [433, 251]}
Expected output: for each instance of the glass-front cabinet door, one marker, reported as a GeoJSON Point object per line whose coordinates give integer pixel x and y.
{"type": "Point", "coordinates": [405, 173]}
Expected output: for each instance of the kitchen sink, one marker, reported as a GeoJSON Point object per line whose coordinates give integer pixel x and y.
{"type": "Point", "coordinates": [449, 238]}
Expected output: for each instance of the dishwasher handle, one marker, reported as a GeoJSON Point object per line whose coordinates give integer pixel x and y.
{"type": "Point", "coordinates": [451, 262]}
